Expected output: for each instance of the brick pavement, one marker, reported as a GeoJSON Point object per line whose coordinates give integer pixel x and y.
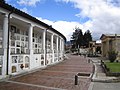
{"type": "Point", "coordinates": [56, 77]}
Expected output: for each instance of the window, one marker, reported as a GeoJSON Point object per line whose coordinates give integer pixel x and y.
{"type": "Point", "coordinates": [26, 59]}
{"type": "Point", "coordinates": [12, 50]}
{"type": "Point", "coordinates": [22, 44]}
{"type": "Point", "coordinates": [18, 31]}
{"type": "Point", "coordinates": [13, 37]}
{"type": "Point", "coordinates": [22, 38]}
{"type": "Point", "coordinates": [22, 50]}
{"type": "Point", "coordinates": [17, 37]}
{"type": "Point", "coordinates": [12, 43]}
{"type": "Point", "coordinates": [20, 59]}
{"type": "Point", "coordinates": [17, 44]}
{"type": "Point", "coordinates": [26, 62]}
{"type": "Point", "coordinates": [26, 33]}
{"type": "Point", "coordinates": [0, 60]}
{"type": "Point", "coordinates": [35, 45]}
{"type": "Point", "coordinates": [33, 34]}
{"type": "Point", "coordinates": [13, 69]}
{"type": "Point", "coordinates": [26, 38]}
{"type": "Point", "coordinates": [33, 40]}
{"type": "Point", "coordinates": [26, 45]}
{"type": "Point", "coordinates": [14, 59]}
{"type": "Point", "coordinates": [13, 29]}
{"type": "Point", "coordinates": [22, 32]}
{"type": "Point", "coordinates": [18, 51]}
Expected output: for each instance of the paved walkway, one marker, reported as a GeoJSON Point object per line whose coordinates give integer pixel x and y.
{"type": "Point", "coordinates": [106, 86]}
{"type": "Point", "coordinates": [56, 77]}
{"type": "Point", "coordinates": [100, 79]}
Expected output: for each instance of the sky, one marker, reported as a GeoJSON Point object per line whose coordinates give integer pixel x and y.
{"type": "Point", "coordinates": [98, 16]}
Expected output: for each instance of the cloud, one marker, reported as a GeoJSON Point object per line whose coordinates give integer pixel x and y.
{"type": "Point", "coordinates": [104, 15]}
{"type": "Point", "coordinates": [28, 2]}
{"type": "Point", "coordinates": [24, 10]}
{"type": "Point", "coordinates": [64, 27]}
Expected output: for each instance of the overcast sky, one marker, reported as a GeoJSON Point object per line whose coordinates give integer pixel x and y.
{"type": "Point", "coordinates": [99, 16]}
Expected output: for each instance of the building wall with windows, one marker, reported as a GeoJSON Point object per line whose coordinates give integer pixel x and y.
{"type": "Point", "coordinates": [110, 42]}
{"type": "Point", "coordinates": [32, 44]}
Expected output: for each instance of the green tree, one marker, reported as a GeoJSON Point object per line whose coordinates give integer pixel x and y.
{"type": "Point", "coordinates": [80, 40]}
{"type": "Point", "coordinates": [112, 55]}
{"type": "Point", "coordinates": [87, 38]}
{"type": "Point", "coordinates": [77, 38]}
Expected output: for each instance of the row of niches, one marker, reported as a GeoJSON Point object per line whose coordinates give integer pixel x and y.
{"type": "Point", "coordinates": [26, 51]}
{"type": "Point", "coordinates": [1, 43]}
{"type": "Point", "coordinates": [20, 59]}
{"type": "Point", "coordinates": [14, 29]}
{"type": "Point", "coordinates": [38, 51]}
{"type": "Point", "coordinates": [1, 60]}
{"type": "Point", "coordinates": [19, 37]}
{"type": "Point", "coordinates": [49, 45]}
{"type": "Point", "coordinates": [42, 59]}
{"type": "Point", "coordinates": [37, 45]}
{"type": "Point", "coordinates": [19, 51]}
{"type": "Point", "coordinates": [37, 35]}
{"type": "Point", "coordinates": [19, 44]}
{"type": "Point", "coordinates": [24, 44]}
{"type": "Point", "coordinates": [37, 40]}
{"type": "Point", "coordinates": [24, 38]}
{"type": "Point", "coordinates": [19, 67]}
{"type": "Point", "coordinates": [1, 38]}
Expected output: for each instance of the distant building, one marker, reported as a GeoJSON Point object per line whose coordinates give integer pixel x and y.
{"type": "Point", "coordinates": [94, 47]}
{"type": "Point", "coordinates": [110, 42]}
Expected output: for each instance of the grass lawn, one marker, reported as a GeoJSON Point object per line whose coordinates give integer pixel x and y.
{"type": "Point", "coordinates": [114, 67]}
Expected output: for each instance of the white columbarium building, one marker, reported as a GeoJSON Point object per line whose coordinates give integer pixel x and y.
{"type": "Point", "coordinates": [26, 43]}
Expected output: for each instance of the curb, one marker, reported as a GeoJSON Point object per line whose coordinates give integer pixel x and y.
{"type": "Point", "coordinates": [95, 79]}
{"type": "Point", "coordinates": [104, 80]}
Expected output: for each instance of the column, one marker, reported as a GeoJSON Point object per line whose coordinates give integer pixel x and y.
{"type": "Point", "coordinates": [5, 40]}
{"type": "Point", "coordinates": [103, 48]}
{"type": "Point", "coordinates": [107, 46]}
{"type": "Point", "coordinates": [44, 45]}
{"type": "Point", "coordinates": [60, 45]}
{"type": "Point", "coordinates": [57, 47]}
{"type": "Point", "coordinates": [60, 48]}
{"type": "Point", "coordinates": [30, 43]}
{"type": "Point", "coordinates": [63, 47]}
{"type": "Point", "coordinates": [52, 47]}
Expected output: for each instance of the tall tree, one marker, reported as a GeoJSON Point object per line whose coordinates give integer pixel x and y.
{"type": "Point", "coordinates": [87, 38]}
{"type": "Point", "coordinates": [80, 38]}
{"type": "Point", "coordinates": [77, 38]}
